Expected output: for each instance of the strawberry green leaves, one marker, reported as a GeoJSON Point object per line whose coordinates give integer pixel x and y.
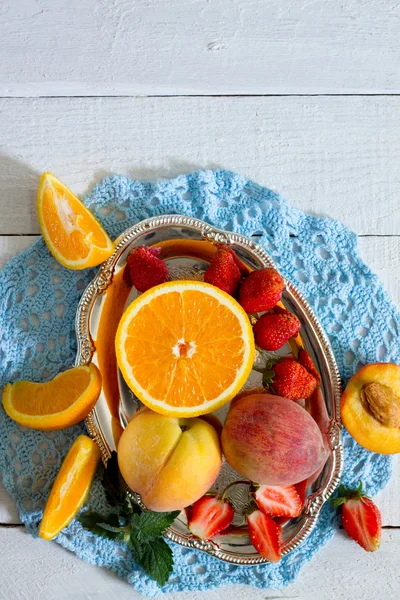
{"type": "Point", "coordinates": [142, 531]}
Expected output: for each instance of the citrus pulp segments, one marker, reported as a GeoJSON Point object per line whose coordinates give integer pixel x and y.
{"type": "Point", "coordinates": [52, 405]}
{"type": "Point", "coordinates": [206, 347]}
{"type": "Point", "coordinates": [72, 233]}
{"type": "Point", "coordinates": [70, 487]}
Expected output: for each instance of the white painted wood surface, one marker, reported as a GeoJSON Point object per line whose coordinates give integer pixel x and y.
{"type": "Point", "coordinates": [125, 47]}
{"type": "Point", "coordinates": [332, 155]}
{"type": "Point", "coordinates": [338, 156]}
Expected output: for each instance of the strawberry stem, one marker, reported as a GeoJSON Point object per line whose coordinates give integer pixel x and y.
{"type": "Point", "coordinates": [345, 494]}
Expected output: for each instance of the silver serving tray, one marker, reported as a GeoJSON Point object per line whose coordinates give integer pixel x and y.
{"type": "Point", "coordinates": [233, 547]}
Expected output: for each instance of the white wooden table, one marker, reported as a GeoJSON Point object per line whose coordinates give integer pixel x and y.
{"type": "Point", "coordinates": [302, 96]}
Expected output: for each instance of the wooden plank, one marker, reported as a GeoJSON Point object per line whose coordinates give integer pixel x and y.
{"type": "Point", "coordinates": [8, 510]}
{"type": "Point", "coordinates": [92, 48]}
{"type": "Point", "coordinates": [11, 245]}
{"type": "Point", "coordinates": [330, 155]}
{"type": "Point", "coordinates": [383, 256]}
{"type": "Point", "coordinates": [41, 570]}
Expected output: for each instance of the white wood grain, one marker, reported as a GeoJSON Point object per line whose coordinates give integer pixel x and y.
{"type": "Point", "coordinates": [382, 254]}
{"type": "Point", "coordinates": [338, 156]}
{"type": "Point", "coordinates": [39, 570]}
{"type": "Point", "coordinates": [11, 245]}
{"type": "Point", "coordinates": [8, 509]}
{"type": "Point", "coordinates": [119, 47]}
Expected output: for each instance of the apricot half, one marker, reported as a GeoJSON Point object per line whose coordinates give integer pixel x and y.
{"type": "Point", "coordinates": [370, 407]}
{"type": "Point", "coordinates": [170, 461]}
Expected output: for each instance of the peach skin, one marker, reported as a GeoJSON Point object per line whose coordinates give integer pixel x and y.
{"type": "Point", "coordinates": [170, 461]}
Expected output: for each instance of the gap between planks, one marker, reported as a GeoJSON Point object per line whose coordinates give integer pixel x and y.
{"type": "Point", "coordinates": [366, 94]}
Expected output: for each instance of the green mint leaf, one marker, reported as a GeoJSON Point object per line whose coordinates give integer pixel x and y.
{"type": "Point", "coordinates": [156, 559]}
{"type": "Point", "coordinates": [111, 528]}
{"type": "Point", "coordinates": [132, 541]}
{"type": "Point", "coordinates": [152, 525]}
{"type": "Point", "coordinates": [107, 526]}
{"type": "Point", "coordinates": [111, 481]}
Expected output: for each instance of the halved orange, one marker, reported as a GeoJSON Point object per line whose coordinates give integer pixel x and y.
{"type": "Point", "coordinates": [70, 487]}
{"type": "Point", "coordinates": [59, 403]}
{"type": "Point", "coordinates": [185, 348]}
{"type": "Point", "coordinates": [72, 234]}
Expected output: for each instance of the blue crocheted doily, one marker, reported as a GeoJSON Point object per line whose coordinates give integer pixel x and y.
{"type": "Point", "coordinates": [38, 301]}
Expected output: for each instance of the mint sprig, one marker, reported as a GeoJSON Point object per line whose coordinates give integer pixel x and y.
{"type": "Point", "coordinates": [141, 530]}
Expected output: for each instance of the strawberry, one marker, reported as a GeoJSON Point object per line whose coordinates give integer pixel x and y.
{"type": "Point", "coordinates": [278, 500]}
{"type": "Point", "coordinates": [224, 271]}
{"type": "Point", "coordinates": [146, 268]}
{"type": "Point", "coordinates": [306, 360]}
{"type": "Point", "coordinates": [301, 489]}
{"type": "Point", "coordinates": [272, 330]}
{"type": "Point", "coordinates": [361, 518]}
{"type": "Point", "coordinates": [265, 535]}
{"type": "Point", "coordinates": [289, 379]}
{"type": "Point", "coordinates": [261, 290]}
{"type": "Point", "coordinates": [209, 516]}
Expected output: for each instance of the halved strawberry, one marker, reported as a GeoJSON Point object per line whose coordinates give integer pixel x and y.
{"type": "Point", "coordinates": [301, 489]}
{"type": "Point", "coordinates": [361, 518]}
{"type": "Point", "coordinates": [265, 535]}
{"type": "Point", "coordinates": [278, 500]}
{"type": "Point", "coordinates": [210, 516]}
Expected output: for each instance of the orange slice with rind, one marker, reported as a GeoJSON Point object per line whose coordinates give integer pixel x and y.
{"type": "Point", "coordinates": [70, 487]}
{"type": "Point", "coordinates": [185, 348]}
{"type": "Point", "coordinates": [59, 403]}
{"type": "Point", "coordinates": [72, 233]}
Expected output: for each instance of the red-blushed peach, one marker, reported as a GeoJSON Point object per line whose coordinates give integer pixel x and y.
{"type": "Point", "coordinates": [171, 462]}
{"type": "Point", "coordinates": [272, 440]}
{"type": "Point", "coordinates": [370, 407]}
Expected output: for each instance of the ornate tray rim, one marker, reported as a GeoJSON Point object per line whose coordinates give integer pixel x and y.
{"type": "Point", "coordinates": [86, 349]}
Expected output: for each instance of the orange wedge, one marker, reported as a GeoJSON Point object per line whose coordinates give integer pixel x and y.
{"type": "Point", "coordinates": [59, 403]}
{"type": "Point", "coordinates": [72, 234]}
{"type": "Point", "coordinates": [185, 348]}
{"type": "Point", "coordinates": [71, 487]}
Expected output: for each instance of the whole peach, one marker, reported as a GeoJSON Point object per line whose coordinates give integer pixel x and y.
{"type": "Point", "coordinates": [170, 461]}
{"type": "Point", "coordinates": [272, 440]}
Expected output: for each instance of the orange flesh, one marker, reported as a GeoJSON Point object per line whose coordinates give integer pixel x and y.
{"type": "Point", "coordinates": [356, 417]}
{"type": "Point", "coordinates": [59, 403]}
{"type": "Point", "coordinates": [71, 487]}
{"type": "Point", "coordinates": [39, 399]}
{"type": "Point", "coordinates": [203, 366]}
{"type": "Point", "coordinates": [69, 225]}
{"type": "Point", "coordinates": [114, 304]}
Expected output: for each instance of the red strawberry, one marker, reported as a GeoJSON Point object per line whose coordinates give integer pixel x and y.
{"type": "Point", "coordinates": [224, 271]}
{"type": "Point", "coordinates": [265, 535]}
{"type": "Point", "coordinates": [279, 310]}
{"type": "Point", "coordinates": [272, 330]}
{"type": "Point", "coordinates": [301, 489]}
{"type": "Point", "coordinates": [360, 517]}
{"type": "Point", "coordinates": [289, 379]}
{"type": "Point", "coordinates": [278, 500]}
{"type": "Point", "coordinates": [261, 290]}
{"type": "Point", "coordinates": [146, 268]}
{"type": "Point", "coordinates": [210, 516]}
{"type": "Point", "coordinates": [306, 360]}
